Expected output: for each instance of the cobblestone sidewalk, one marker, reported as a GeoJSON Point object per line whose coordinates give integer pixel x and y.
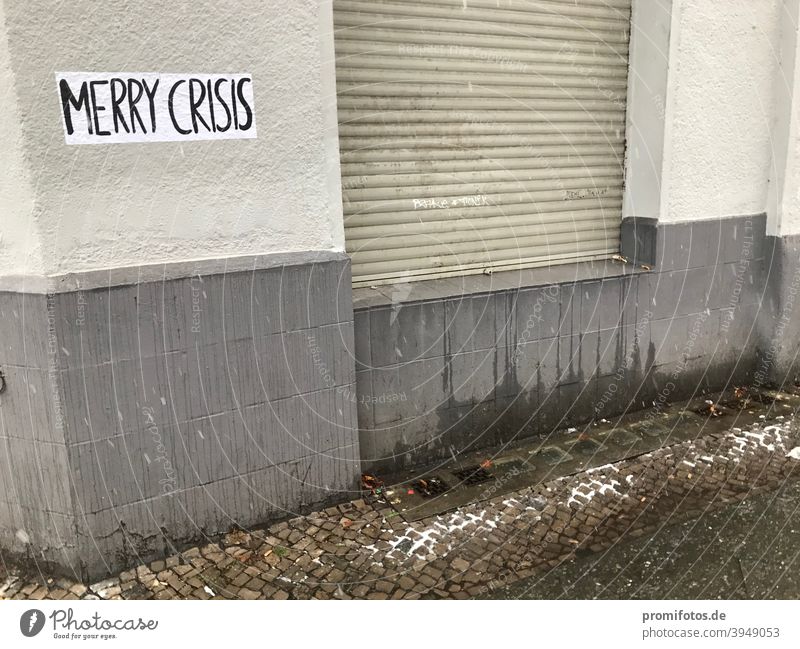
{"type": "Point", "coordinates": [364, 549]}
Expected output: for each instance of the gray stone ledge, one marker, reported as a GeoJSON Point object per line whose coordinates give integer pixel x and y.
{"type": "Point", "coordinates": [507, 280]}
{"type": "Point", "coordinates": [128, 275]}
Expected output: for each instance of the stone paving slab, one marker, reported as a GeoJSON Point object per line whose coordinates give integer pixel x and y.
{"type": "Point", "coordinates": [365, 550]}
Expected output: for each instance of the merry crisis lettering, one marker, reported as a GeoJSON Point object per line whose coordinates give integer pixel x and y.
{"type": "Point", "coordinates": [101, 108]}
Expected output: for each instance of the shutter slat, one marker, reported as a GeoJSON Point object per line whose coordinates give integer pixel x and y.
{"type": "Point", "coordinates": [499, 155]}
{"type": "Point", "coordinates": [514, 58]}
{"type": "Point", "coordinates": [540, 118]}
{"type": "Point", "coordinates": [462, 243]}
{"type": "Point", "coordinates": [528, 198]}
{"type": "Point", "coordinates": [567, 136]}
{"type": "Point", "coordinates": [546, 170]}
{"type": "Point", "coordinates": [598, 8]}
{"type": "Point", "coordinates": [468, 91]}
{"type": "Point", "coordinates": [535, 14]}
{"type": "Point", "coordinates": [466, 105]}
{"type": "Point", "coordinates": [605, 179]}
{"type": "Point", "coordinates": [430, 39]}
{"type": "Point", "coordinates": [501, 226]}
{"type": "Point", "coordinates": [352, 74]}
{"type": "Point", "coordinates": [565, 67]}
{"type": "Point", "coordinates": [392, 134]}
{"type": "Point", "coordinates": [382, 174]}
{"type": "Point", "coordinates": [463, 240]}
{"type": "Point", "coordinates": [460, 25]}
{"type": "Point", "coordinates": [554, 208]}
{"type": "Point", "coordinates": [487, 152]}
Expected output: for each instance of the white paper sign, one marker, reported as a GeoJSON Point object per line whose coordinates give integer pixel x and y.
{"type": "Point", "coordinates": [107, 107]}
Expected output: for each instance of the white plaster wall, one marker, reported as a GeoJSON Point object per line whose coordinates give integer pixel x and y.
{"type": "Point", "coordinates": [720, 108]}
{"type": "Point", "coordinates": [787, 221]}
{"type": "Point", "coordinates": [108, 206]}
{"type": "Point", "coordinates": [783, 208]}
{"type": "Point", "coordinates": [647, 95]}
{"type": "Point", "coordinates": [20, 253]}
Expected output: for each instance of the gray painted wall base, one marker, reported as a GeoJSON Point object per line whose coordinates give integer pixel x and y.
{"type": "Point", "coordinates": [141, 416]}
{"type": "Point", "coordinates": [529, 352]}
{"type": "Point", "coordinates": [779, 360]}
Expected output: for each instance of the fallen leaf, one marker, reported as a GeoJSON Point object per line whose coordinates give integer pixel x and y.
{"type": "Point", "coordinates": [237, 537]}
{"type": "Point", "coordinates": [371, 482]}
{"type": "Point", "coordinates": [345, 522]}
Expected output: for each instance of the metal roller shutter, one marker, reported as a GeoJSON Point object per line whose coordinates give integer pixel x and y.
{"type": "Point", "coordinates": [480, 135]}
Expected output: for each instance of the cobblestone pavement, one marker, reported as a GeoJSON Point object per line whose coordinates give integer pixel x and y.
{"type": "Point", "coordinates": [365, 550]}
{"type": "Point", "coordinates": [748, 549]}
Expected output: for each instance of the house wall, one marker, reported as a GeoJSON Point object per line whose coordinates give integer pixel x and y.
{"type": "Point", "coordinates": [176, 317]}
{"type": "Point", "coordinates": [182, 348]}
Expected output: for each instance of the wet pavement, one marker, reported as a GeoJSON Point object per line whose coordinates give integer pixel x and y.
{"type": "Point", "coordinates": [485, 473]}
{"type": "Point", "coordinates": [747, 550]}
